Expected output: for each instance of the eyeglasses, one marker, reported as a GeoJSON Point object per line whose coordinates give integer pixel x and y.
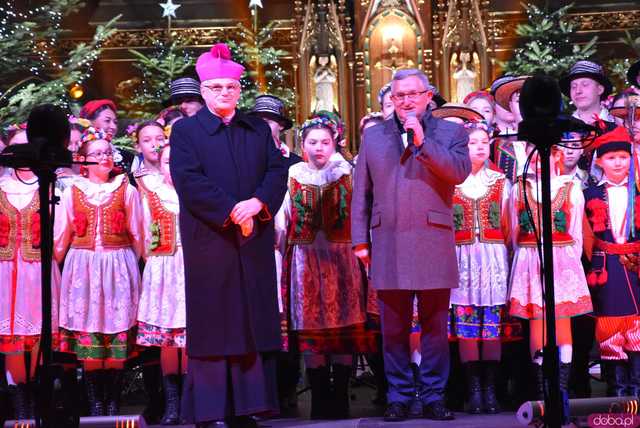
{"type": "Point", "coordinates": [98, 155]}
{"type": "Point", "coordinates": [217, 89]}
{"type": "Point", "coordinates": [411, 96]}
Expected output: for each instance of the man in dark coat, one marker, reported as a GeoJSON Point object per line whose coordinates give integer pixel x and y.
{"type": "Point", "coordinates": [230, 179]}
{"type": "Point", "coordinates": [402, 225]}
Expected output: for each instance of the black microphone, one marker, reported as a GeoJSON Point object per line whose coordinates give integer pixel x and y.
{"type": "Point", "coordinates": [410, 136]}
{"type": "Point", "coordinates": [410, 132]}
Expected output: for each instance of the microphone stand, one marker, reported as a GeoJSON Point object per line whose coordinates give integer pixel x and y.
{"type": "Point", "coordinates": [543, 134]}
{"type": "Point", "coordinates": [48, 200]}
{"type": "Point", "coordinates": [46, 415]}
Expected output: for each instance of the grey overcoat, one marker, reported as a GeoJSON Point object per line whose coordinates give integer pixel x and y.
{"type": "Point", "coordinates": [404, 211]}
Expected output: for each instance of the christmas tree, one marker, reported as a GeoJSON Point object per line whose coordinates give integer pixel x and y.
{"type": "Point", "coordinates": [34, 71]}
{"type": "Point", "coordinates": [263, 64]}
{"type": "Point", "coordinates": [619, 66]}
{"type": "Point", "coordinates": [168, 61]}
{"type": "Point", "coordinates": [548, 46]}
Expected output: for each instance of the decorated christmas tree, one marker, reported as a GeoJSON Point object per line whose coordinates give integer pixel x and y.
{"type": "Point", "coordinates": [34, 70]}
{"type": "Point", "coordinates": [549, 46]}
{"type": "Point", "coordinates": [265, 73]}
{"type": "Point", "coordinates": [168, 61]}
{"type": "Point", "coordinates": [618, 66]}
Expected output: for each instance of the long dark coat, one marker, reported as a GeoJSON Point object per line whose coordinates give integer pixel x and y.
{"type": "Point", "coordinates": [404, 211]}
{"type": "Point", "coordinates": [231, 300]}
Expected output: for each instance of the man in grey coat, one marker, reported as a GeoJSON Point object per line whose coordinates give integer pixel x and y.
{"type": "Point", "coordinates": [402, 227]}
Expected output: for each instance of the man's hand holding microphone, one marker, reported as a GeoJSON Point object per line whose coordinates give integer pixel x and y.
{"type": "Point", "coordinates": [415, 133]}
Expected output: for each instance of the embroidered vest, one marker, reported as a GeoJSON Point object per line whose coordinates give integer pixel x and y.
{"type": "Point", "coordinates": [19, 228]}
{"type": "Point", "coordinates": [613, 270]}
{"type": "Point", "coordinates": [163, 224]}
{"type": "Point", "coordinates": [485, 211]}
{"type": "Point", "coordinates": [113, 220]}
{"type": "Point", "coordinates": [561, 217]}
{"type": "Point", "coordinates": [326, 208]}
{"type": "Point", "coordinates": [597, 211]}
{"type": "Point", "coordinates": [504, 157]}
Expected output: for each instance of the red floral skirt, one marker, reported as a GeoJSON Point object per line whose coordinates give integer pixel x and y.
{"type": "Point", "coordinates": [343, 340]}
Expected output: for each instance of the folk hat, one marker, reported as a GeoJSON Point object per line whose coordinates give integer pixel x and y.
{"type": "Point", "coordinates": [184, 87]}
{"type": "Point", "coordinates": [587, 69]}
{"type": "Point", "coordinates": [633, 74]}
{"type": "Point", "coordinates": [457, 110]}
{"type": "Point", "coordinates": [505, 89]}
{"type": "Point", "coordinates": [271, 107]}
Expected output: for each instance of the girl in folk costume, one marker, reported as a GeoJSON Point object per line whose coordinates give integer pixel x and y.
{"type": "Point", "coordinates": [148, 137]}
{"type": "Point", "coordinates": [526, 289]}
{"type": "Point", "coordinates": [613, 211]}
{"type": "Point", "coordinates": [484, 103]}
{"type": "Point", "coordinates": [20, 279]}
{"type": "Point", "coordinates": [478, 305]}
{"type": "Point", "coordinates": [100, 279]}
{"type": "Point", "coordinates": [102, 114]}
{"type": "Point", "coordinates": [161, 313]}
{"type": "Point", "coordinates": [325, 290]}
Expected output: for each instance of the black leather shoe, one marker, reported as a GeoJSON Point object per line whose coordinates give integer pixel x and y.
{"type": "Point", "coordinates": [437, 411]}
{"type": "Point", "coordinates": [396, 412]}
{"type": "Point", "coordinates": [242, 422]}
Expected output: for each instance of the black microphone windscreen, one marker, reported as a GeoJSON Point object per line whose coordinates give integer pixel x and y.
{"type": "Point", "coordinates": [540, 97]}
{"type": "Point", "coordinates": [48, 122]}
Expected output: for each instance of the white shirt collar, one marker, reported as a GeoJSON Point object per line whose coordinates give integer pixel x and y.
{"type": "Point", "coordinates": [605, 180]}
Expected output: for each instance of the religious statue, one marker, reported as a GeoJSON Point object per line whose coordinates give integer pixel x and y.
{"type": "Point", "coordinates": [465, 78]}
{"type": "Point", "coordinates": [325, 80]}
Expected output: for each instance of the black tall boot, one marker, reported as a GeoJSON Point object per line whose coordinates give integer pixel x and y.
{"type": "Point", "coordinates": [634, 373]}
{"type": "Point", "coordinates": [490, 401]}
{"type": "Point", "coordinates": [20, 400]}
{"type": "Point", "coordinates": [539, 373]}
{"type": "Point", "coordinates": [113, 389]}
{"type": "Point", "coordinates": [320, 392]}
{"type": "Point", "coordinates": [32, 391]}
{"type": "Point", "coordinates": [565, 372]}
{"type": "Point", "coordinates": [616, 376]}
{"type": "Point", "coordinates": [152, 378]}
{"type": "Point", "coordinates": [171, 386]}
{"type": "Point", "coordinates": [474, 382]}
{"type": "Point", "coordinates": [341, 377]}
{"type": "Point", "coordinates": [94, 381]}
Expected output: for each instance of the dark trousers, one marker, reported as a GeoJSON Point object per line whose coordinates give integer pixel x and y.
{"type": "Point", "coordinates": [583, 330]}
{"type": "Point", "coordinates": [396, 312]}
{"type": "Point", "coordinates": [219, 388]}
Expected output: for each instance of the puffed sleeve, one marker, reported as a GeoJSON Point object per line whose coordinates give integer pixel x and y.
{"type": "Point", "coordinates": [577, 214]}
{"type": "Point", "coordinates": [63, 226]}
{"type": "Point", "coordinates": [134, 219]}
{"type": "Point", "coordinates": [146, 223]}
{"type": "Point", "coordinates": [513, 215]}
{"type": "Point", "coordinates": [281, 223]}
{"type": "Point", "coordinates": [506, 213]}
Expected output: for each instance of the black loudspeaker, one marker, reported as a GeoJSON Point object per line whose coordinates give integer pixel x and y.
{"type": "Point", "coordinates": [124, 421]}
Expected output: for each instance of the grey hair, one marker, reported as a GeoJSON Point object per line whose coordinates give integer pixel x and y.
{"type": "Point", "coordinates": [412, 72]}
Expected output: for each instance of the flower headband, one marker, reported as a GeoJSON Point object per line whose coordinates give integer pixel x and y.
{"type": "Point", "coordinates": [167, 131]}
{"type": "Point", "coordinates": [16, 127]}
{"type": "Point", "coordinates": [320, 121]}
{"type": "Point", "coordinates": [478, 125]}
{"type": "Point", "coordinates": [85, 123]}
{"type": "Point", "coordinates": [93, 134]}
{"type": "Point", "coordinates": [132, 132]}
